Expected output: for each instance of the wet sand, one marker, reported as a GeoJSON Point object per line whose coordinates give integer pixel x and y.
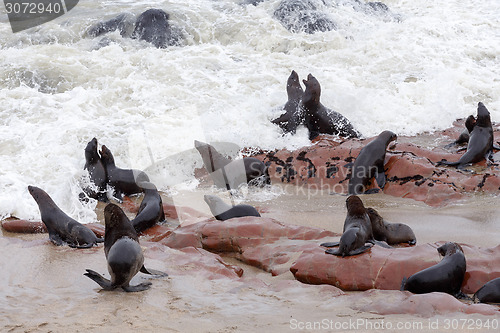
{"type": "Point", "coordinates": [43, 288]}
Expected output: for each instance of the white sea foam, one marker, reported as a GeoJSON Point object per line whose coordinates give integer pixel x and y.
{"type": "Point", "coordinates": [58, 89]}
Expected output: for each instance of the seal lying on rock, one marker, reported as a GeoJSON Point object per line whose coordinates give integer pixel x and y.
{"type": "Point", "coordinates": [357, 231]}
{"type": "Point", "coordinates": [123, 253]}
{"type": "Point", "coordinates": [391, 233]}
{"type": "Point", "coordinates": [489, 293]}
{"type": "Point", "coordinates": [223, 211]}
{"type": "Point", "coordinates": [62, 228]}
{"type": "Point", "coordinates": [446, 276]}
{"type": "Point", "coordinates": [370, 163]}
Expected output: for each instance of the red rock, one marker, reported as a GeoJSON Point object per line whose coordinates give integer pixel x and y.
{"type": "Point", "coordinates": [13, 224]}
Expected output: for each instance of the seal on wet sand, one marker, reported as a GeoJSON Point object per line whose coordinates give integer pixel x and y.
{"type": "Point", "coordinates": [123, 253]}
{"type": "Point", "coordinates": [222, 211]}
{"type": "Point", "coordinates": [62, 228]}
{"type": "Point", "coordinates": [391, 233]}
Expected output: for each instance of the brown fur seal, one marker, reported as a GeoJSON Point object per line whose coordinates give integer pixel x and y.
{"type": "Point", "coordinates": [489, 293]}
{"type": "Point", "coordinates": [62, 228]}
{"type": "Point", "coordinates": [446, 276]}
{"type": "Point", "coordinates": [289, 120]}
{"type": "Point", "coordinates": [370, 163]}
{"type": "Point", "coordinates": [151, 209]}
{"type": "Point", "coordinates": [123, 181]}
{"type": "Point", "coordinates": [318, 119]}
{"type": "Point", "coordinates": [223, 211]}
{"type": "Point", "coordinates": [391, 233]}
{"type": "Point", "coordinates": [480, 142]}
{"type": "Point", "coordinates": [123, 253]}
{"type": "Point", "coordinates": [97, 172]}
{"type": "Point", "coordinates": [357, 231]}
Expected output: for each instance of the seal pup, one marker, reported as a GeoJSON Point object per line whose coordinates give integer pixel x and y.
{"type": "Point", "coordinates": [391, 233]}
{"type": "Point", "coordinates": [97, 172]}
{"type": "Point", "coordinates": [123, 181]}
{"type": "Point", "coordinates": [62, 228]}
{"type": "Point", "coordinates": [151, 209]}
{"type": "Point", "coordinates": [230, 174]}
{"type": "Point", "coordinates": [357, 231]}
{"type": "Point", "coordinates": [289, 120]}
{"type": "Point", "coordinates": [446, 276]}
{"type": "Point", "coordinates": [480, 142]}
{"type": "Point", "coordinates": [318, 119]}
{"type": "Point", "coordinates": [470, 122]}
{"type": "Point", "coordinates": [222, 211]}
{"type": "Point", "coordinates": [489, 293]}
{"type": "Point", "coordinates": [370, 163]}
{"type": "Point", "coordinates": [123, 253]}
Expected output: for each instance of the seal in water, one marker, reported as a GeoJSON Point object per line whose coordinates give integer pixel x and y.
{"type": "Point", "coordinates": [289, 120]}
{"type": "Point", "coordinates": [231, 174]}
{"type": "Point", "coordinates": [222, 211]}
{"type": "Point", "coordinates": [480, 142]}
{"type": "Point", "coordinates": [446, 276]}
{"type": "Point", "coordinates": [318, 119]}
{"type": "Point", "coordinates": [123, 181]}
{"type": "Point", "coordinates": [370, 163]}
{"type": "Point", "coordinates": [62, 228]}
{"type": "Point", "coordinates": [391, 233]}
{"type": "Point", "coordinates": [151, 209]}
{"type": "Point", "coordinates": [97, 172]}
{"type": "Point", "coordinates": [357, 231]}
{"type": "Point", "coordinates": [489, 293]}
{"type": "Point", "coordinates": [123, 253]}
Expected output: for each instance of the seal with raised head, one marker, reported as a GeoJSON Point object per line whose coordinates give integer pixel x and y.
{"type": "Point", "coordinates": [370, 163]}
{"type": "Point", "coordinates": [97, 172]}
{"type": "Point", "coordinates": [489, 293]}
{"type": "Point", "coordinates": [230, 174]}
{"type": "Point", "coordinates": [123, 253]}
{"type": "Point", "coordinates": [123, 181]}
{"type": "Point", "coordinates": [446, 276]}
{"type": "Point", "coordinates": [391, 233]}
{"type": "Point", "coordinates": [151, 209]}
{"type": "Point", "coordinates": [222, 211]}
{"type": "Point", "coordinates": [62, 228]}
{"type": "Point", "coordinates": [289, 120]}
{"type": "Point", "coordinates": [357, 231]}
{"type": "Point", "coordinates": [480, 142]}
{"type": "Point", "coordinates": [318, 119]}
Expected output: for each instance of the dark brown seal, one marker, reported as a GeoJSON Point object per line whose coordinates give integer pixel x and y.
{"type": "Point", "coordinates": [97, 172]}
{"type": "Point", "coordinates": [370, 163]}
{"type": "Point", "coordinates": [151, 209]}
{"type": "Point", "coordinates": [222, 211]}
{"type": "Point", "coordinates": [489, 293]}
{"type": "Point", "coordinates": [446, 276]}
{"type": "Point", "coordinates": [391, 233]}
{"type": "Point", "coordinates": [62, 228]}
{"type": "Point", "coordinates": [289, 120]}
{"type": "Point", "coordinates": [123, 253]}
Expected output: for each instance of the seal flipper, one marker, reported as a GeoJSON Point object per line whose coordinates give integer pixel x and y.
{"type": "Point", "coordinates": [152, 271]}
{"type": "Point", "coordinates": [140, 287]}
{"type": "Point", "coordinates": [359, 250]}
{"type": "Point", "coordinates": [84, 246]}
{"type": "Point", "coordinates": [380, 177]}
{"type": "Point", "coordinates": [330, 244]}
{"type": "Point", "coordinates": [103, 282]}
{"type": "Point", "coordinates": [380, 243]}
{"type": "Point", "coordinates": [56, 239]}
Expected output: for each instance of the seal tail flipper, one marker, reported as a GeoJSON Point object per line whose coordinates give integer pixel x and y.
{"type": "Point", "coordinates": [403, 283]}
{"type": "Point", "coordinates": [140, 287]}
{"type": "Point", "coordinates": [380, 243]}
{"type": "Point", "coordinates": [104, 283]}
{"type": "Point", "coordinates": [152, 271]}
{"type": "Point", "coordinates": [445, 162]}
{"type": "Point", "coordinates": [359, 250]}
{"type": "Point", "coordinates": [100, 240]}
{"type": "Point", "coordinates": [330, 244]}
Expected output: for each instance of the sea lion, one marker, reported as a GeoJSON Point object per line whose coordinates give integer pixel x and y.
{"type": "Point", "coordinates": [62, 228]}
{"type": "Point", "coordinates": [289, 120]}
{"type": "Point", "coordinates": [357, 231]}
{"type": "Point", "coordinates": [446, 276]}
{"type": "Point", "coordinates": [318, 119]}
{"type": "Point", "coordinates": [391, 233]}
{"type": "Point", "coordinates": [480, 142]}
{"type": "Point", "coordinates": [123, 181]}
{"type": "Point", "coordinates": [222, 211]}
{"type": "Point", "coordinates": [489, 293]}
{"type": "Point", "coordinates": [151, 209]}
{"type": "Point", "coordinates": [123, 253]}
{"type": "Point", "coordinates": [230, 174]}
{"type": "Point", "coordinates": [97, 172]}
{"type": "Point", "coordinates": [370, 163]}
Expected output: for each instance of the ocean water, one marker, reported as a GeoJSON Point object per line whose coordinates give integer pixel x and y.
{"type": "Point", "coordinates": [415, 69]}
